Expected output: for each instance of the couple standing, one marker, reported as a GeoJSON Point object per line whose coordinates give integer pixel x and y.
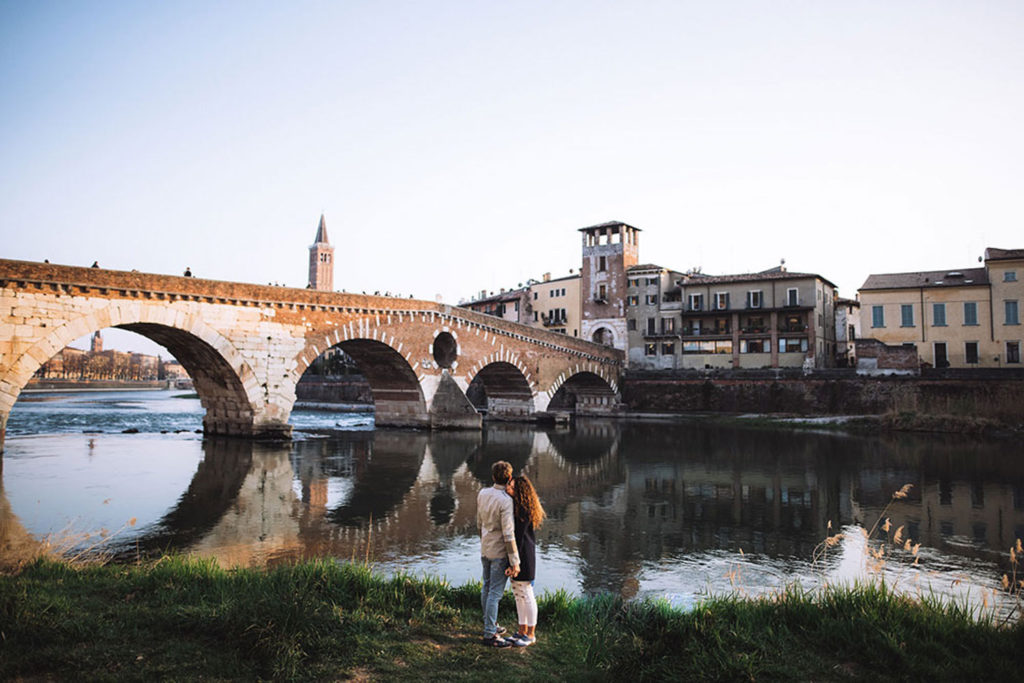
{"type": "Point", "coordinates": [508, 512]}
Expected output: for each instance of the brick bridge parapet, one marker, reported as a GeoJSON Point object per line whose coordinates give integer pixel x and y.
{"type": "Point", "coordinates": [246, 346]}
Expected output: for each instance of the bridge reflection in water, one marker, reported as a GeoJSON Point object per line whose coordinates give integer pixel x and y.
{"type": "Point", "coordinates": [632, 506]}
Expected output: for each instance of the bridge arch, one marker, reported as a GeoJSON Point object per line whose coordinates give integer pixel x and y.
{"type": "Point", "coordinates": [234, 401]}
{"type": "Point", "coordinates": [584, 391]}
{"type": "Point", "coordinates": [397, 394]}
{"type": "Point", "coordinates": [500, 391]}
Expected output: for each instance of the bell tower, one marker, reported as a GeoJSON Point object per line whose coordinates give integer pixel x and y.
{"type": "Point", "coordinates": [609, 249]}
{"type": "Point", "coordinates": [321, 260]}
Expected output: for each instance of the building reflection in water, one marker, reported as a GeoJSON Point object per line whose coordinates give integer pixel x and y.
{"type": "Point", "coordinates": [630, 504]}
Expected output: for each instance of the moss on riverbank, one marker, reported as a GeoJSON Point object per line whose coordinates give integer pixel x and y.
{"type": "Point", "coordinates": [184, 618]}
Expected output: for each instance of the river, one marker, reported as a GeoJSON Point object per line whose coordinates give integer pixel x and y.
{"type": "Point", "coordinates": [673, 510]}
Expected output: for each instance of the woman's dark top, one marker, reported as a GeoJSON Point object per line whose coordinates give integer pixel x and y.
{"type": "Point", "coordinates": [527, 545]}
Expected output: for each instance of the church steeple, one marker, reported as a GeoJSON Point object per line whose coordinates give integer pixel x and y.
{"type": "Point", "coordinates": [321, 260]}
{"type": "Point", "coordinates": [321, 232]}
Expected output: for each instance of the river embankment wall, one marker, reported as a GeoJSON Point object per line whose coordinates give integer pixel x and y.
{"type": "Point", "coordinates": [989, 396]}
{"type": "Point", "coordinates": [314, 391]}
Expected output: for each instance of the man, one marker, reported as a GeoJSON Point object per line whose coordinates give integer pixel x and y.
{"type": "Point", "coordinates": [498, 552]}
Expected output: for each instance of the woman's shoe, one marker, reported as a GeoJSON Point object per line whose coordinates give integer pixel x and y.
{"type": "Point", "coordinates": [522, 640]}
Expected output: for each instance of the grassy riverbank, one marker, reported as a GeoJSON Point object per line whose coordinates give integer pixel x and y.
{"type": "Point", "coordinates": [185, 619]}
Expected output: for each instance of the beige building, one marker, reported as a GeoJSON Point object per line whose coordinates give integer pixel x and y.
{"type": "Point", "coordinates": [966, 318]}
{"type": "Point", "coordinates": [555, 304]}
{"type": "Point", "coordinates": [770, 319]}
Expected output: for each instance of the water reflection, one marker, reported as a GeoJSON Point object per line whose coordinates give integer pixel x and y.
{"type": "Point", "coordinates": [634, 508]}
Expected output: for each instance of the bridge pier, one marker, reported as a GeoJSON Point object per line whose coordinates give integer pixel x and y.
{"type": "Point", "coordinates": [448, 406]}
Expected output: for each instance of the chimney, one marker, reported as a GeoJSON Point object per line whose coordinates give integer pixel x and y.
{"type": "Point", "coordinates": [546, 277]}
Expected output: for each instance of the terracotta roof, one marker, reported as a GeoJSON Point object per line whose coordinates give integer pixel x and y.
{"type": "Point", "coordinates": [510, 295]}
{"type": "Point", "coordinates": [993, 254]}
{"type": "Point", "coordinates": [773, 274]}
{"type": "Point", "coordinates": [608, 224]}
{"type": "Point", "coordinates": [646, 266]}
{"type": "Point", "coordinates": [931, 278]}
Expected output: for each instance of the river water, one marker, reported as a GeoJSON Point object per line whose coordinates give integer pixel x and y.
{"type": "Point", "coordinates": [653, 509]}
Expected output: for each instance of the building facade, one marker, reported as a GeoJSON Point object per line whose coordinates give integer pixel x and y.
{"type": "Point", "coordinates": [609, 249]}
{"type": "Point", "coordinates": [321, 260]}
{"type": "Point", "coordinates": [847, 331]}
{"type": "Point", "coordinates": [966, 318]}
{"type": "Point", "coordinates": [554, 305]}
{"type": "Point", "coordinates": [770, 319]}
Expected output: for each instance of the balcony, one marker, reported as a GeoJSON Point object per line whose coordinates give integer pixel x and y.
{"type": "Point", "coordinates": [706, 332]}
{"type": "Point", "coordinates": [792, 329]}
{"type": "Point", "coordinates": [552, 321]}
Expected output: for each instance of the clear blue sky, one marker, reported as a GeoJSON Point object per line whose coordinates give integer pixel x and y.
{"type": "Point", "coordinates": [457, 146]}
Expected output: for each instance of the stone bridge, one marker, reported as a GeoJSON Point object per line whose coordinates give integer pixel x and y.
{"type": "Point", "coordinates": [246, 346]}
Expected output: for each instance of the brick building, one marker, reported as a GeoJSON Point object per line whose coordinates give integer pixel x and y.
{"type": "Point", "coordinates": [609, 250]}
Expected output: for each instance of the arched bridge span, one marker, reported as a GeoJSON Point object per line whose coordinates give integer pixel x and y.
{"type": "Point", "coordinates": [246, 346]}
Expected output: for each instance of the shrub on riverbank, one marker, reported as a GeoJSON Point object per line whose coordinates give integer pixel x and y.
{"type": "Point", "coordinates": [187, 618]}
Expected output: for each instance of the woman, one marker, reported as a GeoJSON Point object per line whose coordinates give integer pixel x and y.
{"type": "Point", "coordinates": [529, 515]}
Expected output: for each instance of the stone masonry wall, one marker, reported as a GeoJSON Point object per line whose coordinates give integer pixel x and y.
{"type": "Point", "coordinates": [1001, 400]}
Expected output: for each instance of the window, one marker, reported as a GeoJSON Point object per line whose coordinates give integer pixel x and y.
{"type": "Point", "coordinates": [652, 326]}
{"type": "Point", "coordinates": [724, 346]}
{"type": "Point", "coordinates": [721, 301]}
{"type": "Point", "coordinates": [652, 280]}
{"type": "Point", "coordinates": [877, 316]}
{"type": "Point", "coordinates": [792, 345]}
{"type": "Point", "coordinates": [792, 296]}
{"type": "Point", "coordinates": [851, 333]}
{"type": "Point", "coordinates": [535, 316]}
{"type": "Point", "coordinates": [633, 300]}
{"type": "Point", "coordinates": [722, 326]}
{"type": "Point", "coordinates": [602, 263]}
{"type": "Point", "coordinates": [1013, 352]}
{"type": "Point", "coordinates": [696, 302]}
{"type": "Point", "coordinates": [535, 294]}
{"type": "Point", "coordinates": [1012, 314]}
{"type": "Point", "coordinates": [755, 346]}
{"type": "Point", "coordinates": [668, 349]}
{"type": "Point", "coordinates": [754, 299]}
{"type": "Point", "coordinates": [652, 299]}
{"type": "Point", "coordinates": [634, 282]}
{"type": "Point", "coordinates": [970, 313]}
{"type": "Point", "coordinates": [668, 325]}
{"type": "Point", "coordinates": [971, 352]}
{"type": "Point", "coordinates": [1010, 276]}
{"type": "Point", "coordinates": [906, 315]}
{"type": "Point", "coordinates": [631, 324]}
{"type": "Point", "coordinates": [650, 349]}
{"type": "Point", "coordinates": [602, 292]}
{"type": "Point", "coordinates": [939, 315]}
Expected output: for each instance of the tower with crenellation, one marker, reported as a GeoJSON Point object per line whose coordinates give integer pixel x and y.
{"type": "Point", "coordinates": [321, 260]}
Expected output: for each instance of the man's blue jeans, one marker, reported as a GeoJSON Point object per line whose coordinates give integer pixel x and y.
{"type": "Point", "coordinates": [490, 595]}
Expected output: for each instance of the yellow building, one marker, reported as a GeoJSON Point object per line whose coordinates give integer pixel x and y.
{"type": "Point", "coordinates": [555, 304]}
{"type": "Point", "coordinates": [966, 318]}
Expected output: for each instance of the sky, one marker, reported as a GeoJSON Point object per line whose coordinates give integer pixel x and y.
{"type": "Point", "coordinates": [455, 147]}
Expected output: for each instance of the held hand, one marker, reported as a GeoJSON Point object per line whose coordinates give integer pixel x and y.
{"type": "Point", "coordinates": [514, 571]}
